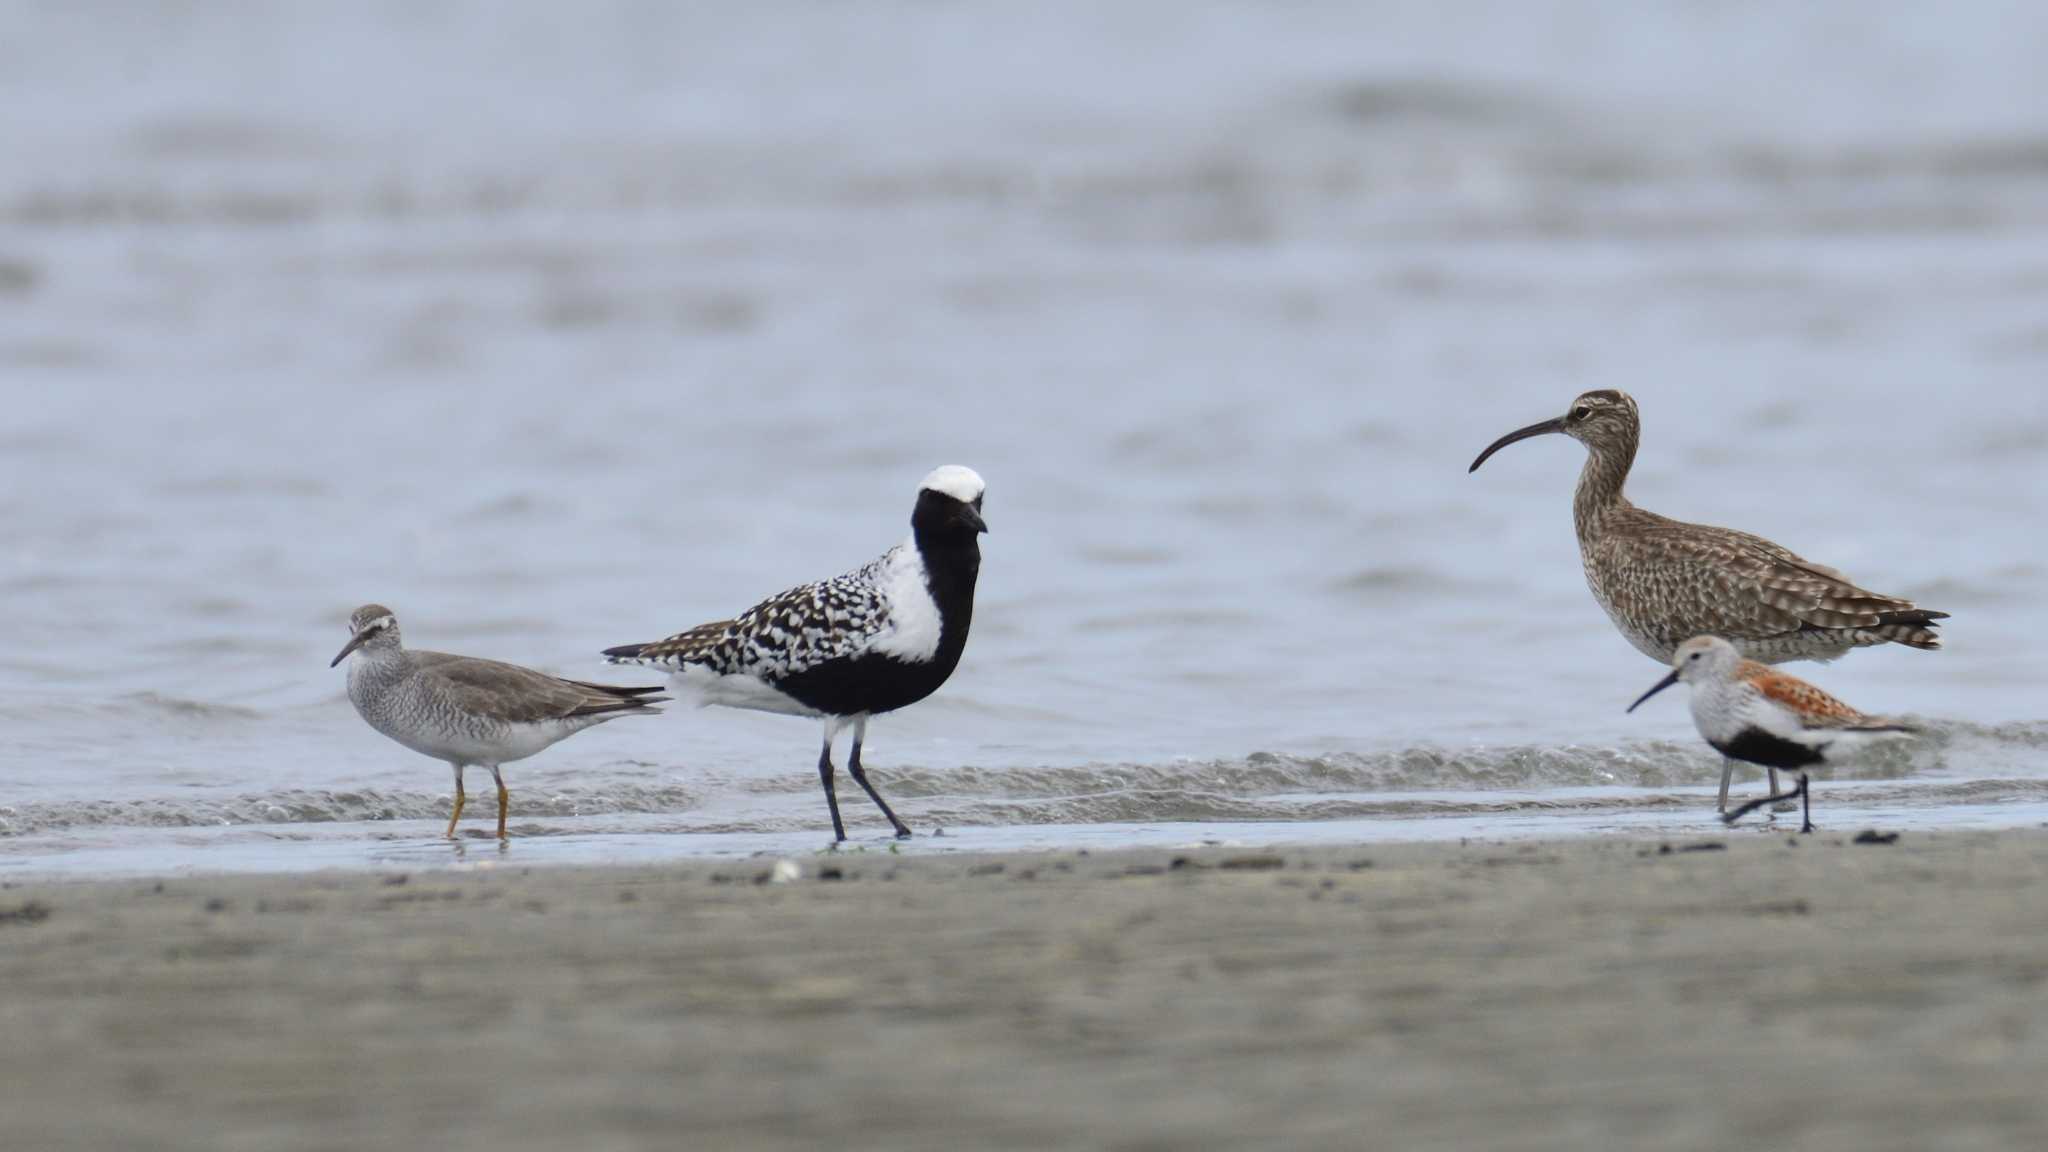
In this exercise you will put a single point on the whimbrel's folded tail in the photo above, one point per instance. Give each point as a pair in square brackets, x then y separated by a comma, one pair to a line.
[1915, 628]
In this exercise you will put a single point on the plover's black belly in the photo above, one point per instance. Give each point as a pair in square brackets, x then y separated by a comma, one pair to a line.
[1756, 746]
[867, 683]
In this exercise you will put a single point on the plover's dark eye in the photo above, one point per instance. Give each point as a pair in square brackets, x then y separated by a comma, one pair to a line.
[1581, 412]
[1694, 656]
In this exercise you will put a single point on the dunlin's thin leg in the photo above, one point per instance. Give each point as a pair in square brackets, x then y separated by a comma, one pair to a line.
[853, 769]
[457, 814]
[1787, 805]
[831, 793]
[504, 800]
[1805, 804]
[1727, 774]
[1799, 793]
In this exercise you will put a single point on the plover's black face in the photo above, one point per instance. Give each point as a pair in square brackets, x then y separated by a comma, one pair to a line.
[371, 626]
[949, 506]
[1596, 419]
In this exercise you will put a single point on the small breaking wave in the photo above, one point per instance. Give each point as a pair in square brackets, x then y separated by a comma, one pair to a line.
[2003, 763]
[321, 806]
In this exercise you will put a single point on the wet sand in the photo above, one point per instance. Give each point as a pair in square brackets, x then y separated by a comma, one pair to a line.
[1588, 994]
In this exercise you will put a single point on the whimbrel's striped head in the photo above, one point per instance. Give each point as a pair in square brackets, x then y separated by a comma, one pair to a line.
[1604, 420]
[949, 505]
[372, 628]
[1697, 661]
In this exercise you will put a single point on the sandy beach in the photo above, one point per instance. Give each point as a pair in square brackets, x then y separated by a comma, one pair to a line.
[1733, 992]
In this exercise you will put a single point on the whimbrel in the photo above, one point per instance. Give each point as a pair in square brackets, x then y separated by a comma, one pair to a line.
[468, 711]
[871, 641]
[1758, 714]
[1663, 581]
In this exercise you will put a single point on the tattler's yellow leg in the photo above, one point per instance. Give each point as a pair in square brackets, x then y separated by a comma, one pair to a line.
[457, 814]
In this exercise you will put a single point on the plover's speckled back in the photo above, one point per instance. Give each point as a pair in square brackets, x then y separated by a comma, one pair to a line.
[1760, 715]
[1662, 581]
[468, 711]
[855, 646]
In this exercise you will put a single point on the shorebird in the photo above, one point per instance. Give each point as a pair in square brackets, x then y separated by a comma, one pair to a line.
[1662, 581]
[1757, 714]
[842, 650]
[468, 711]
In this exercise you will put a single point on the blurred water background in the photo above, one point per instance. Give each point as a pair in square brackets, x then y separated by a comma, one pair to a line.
[561, 326]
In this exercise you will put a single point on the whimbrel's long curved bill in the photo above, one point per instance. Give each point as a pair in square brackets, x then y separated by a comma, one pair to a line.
[1666, 682]
[1543, 428]
[354, 642]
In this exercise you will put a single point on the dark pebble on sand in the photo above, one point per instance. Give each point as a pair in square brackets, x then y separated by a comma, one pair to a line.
[395, 881]
[32, 912]
[831, 872]
[1709, 846]
[1873, 836]
[1251, 863]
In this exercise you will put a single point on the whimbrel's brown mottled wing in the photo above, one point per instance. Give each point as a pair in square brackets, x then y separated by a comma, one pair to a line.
[521, 695]
[1721, 582]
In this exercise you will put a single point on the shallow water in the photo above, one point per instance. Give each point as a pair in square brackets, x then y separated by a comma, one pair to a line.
[559, 335]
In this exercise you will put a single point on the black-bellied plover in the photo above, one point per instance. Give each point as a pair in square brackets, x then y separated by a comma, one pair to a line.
[468, 711]
[1760, 715]
[845, 649]
[1663, 581]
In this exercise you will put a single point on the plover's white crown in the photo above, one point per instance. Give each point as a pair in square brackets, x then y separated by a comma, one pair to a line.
[956, 480]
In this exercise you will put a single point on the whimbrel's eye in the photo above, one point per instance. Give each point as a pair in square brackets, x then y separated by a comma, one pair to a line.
[1581, 412]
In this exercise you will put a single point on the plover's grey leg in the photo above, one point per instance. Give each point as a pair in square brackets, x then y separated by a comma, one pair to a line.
[457, 814]
[831, 791]
[853, 769]
[504, 799]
